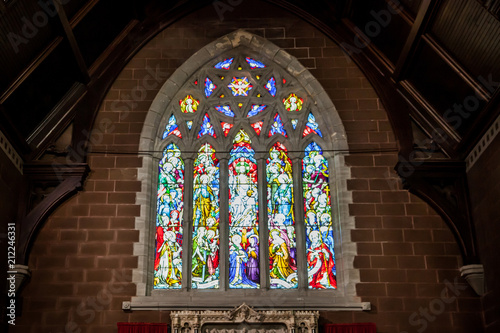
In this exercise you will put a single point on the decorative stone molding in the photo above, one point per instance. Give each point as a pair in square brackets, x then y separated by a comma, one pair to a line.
[474, 275]
[22, 275]
[244, 319]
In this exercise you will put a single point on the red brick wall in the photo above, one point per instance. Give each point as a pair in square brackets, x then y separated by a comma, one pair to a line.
[485, 200]
[82, 259]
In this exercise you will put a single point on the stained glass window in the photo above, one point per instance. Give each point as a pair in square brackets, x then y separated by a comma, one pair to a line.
[293, 103]
[244, 255]
[225, 110]
[256, 109]
[225, 64]
[277, 127]
[240, 86]
[254, 63]
[312, 126]
[205, 257]
[318, 219]
[247, 107]
[189, 104]
[172, 128]
[257, 127]
[206, 128]
[209, 87]
[281, 220]
[271, 86]
[170, 195]
[226, 127]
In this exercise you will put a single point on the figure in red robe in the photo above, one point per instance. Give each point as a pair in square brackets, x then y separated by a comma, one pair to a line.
[321, 264]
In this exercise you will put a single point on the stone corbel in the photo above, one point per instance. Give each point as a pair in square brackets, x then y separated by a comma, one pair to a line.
[474, 275]
[22, 275]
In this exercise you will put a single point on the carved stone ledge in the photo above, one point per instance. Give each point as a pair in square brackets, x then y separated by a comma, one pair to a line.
[244, 319]
[474, 275]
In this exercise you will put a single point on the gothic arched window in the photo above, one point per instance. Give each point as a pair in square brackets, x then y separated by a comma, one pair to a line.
[256, 213]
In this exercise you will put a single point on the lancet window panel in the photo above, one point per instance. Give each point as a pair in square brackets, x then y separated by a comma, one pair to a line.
[251, 134]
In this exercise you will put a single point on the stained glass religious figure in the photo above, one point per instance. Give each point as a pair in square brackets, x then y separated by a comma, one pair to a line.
[277, 127]
[205, 254]
[169, 232]
[243, 215]
[281, 220]
[318, 219]
[312, 126]
[172, 128]
[206, 128]
[256, 109]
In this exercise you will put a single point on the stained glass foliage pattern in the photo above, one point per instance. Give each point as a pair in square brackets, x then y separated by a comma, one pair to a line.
[225, 64]
[277, 127]
[189, 124]
[243, 215]
[311, 126]
[189, 104]
[254, 63]
[209, 87]
[240, 86]
[256, 109]
[294, 123]
[205, 257]
[281, 220]
[206, 128]
[257, 127]
[226, 127]
[172, 128]
[226, 109]
[168, 247]
[271, 86]
[293, 103]
[318, 219]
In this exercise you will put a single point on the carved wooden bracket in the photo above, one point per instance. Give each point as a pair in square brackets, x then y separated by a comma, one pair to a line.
[443, 185]
[62, 180]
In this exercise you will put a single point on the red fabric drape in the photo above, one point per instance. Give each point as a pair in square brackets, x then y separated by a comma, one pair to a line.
[142, 328]
[350, 328]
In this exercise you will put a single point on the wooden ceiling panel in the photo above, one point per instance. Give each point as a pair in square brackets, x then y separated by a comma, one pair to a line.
[472, 36]
[448, 93]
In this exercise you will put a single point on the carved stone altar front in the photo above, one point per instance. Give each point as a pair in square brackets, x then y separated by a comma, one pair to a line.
[244, 319]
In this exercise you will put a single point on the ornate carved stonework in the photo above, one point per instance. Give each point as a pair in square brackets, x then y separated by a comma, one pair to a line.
[244, 319]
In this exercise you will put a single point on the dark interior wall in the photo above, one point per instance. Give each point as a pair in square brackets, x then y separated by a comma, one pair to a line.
[82, 258]
[484, 184]
[10, 181]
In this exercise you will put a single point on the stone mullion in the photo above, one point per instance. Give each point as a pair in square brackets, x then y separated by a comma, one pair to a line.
[300, 223]
[223, 224]
[263, 227]
[187, 219]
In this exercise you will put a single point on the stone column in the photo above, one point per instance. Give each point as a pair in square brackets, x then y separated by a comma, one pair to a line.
[187, 221]
[223, 222]
[263, 227]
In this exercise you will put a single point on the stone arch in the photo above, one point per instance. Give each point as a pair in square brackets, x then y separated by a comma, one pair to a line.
[150, 141]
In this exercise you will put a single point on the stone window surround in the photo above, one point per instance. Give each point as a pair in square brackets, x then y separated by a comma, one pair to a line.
[343, 298]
